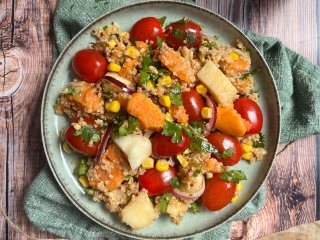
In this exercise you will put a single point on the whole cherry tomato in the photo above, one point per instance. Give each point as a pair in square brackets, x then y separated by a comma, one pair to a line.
[156, 182]
[89, 65]
[183, 33]
[193, 103]
[163, 147]
[78, 143]
[218, 193]
[147, 29]
[250, 111]
[224, 142]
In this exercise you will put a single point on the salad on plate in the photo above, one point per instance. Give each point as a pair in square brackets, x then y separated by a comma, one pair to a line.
[159, 114]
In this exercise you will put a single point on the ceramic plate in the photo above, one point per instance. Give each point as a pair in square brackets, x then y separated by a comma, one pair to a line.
[62, 165]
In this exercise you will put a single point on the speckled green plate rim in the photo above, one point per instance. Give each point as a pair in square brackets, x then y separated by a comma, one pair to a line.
[43, 132]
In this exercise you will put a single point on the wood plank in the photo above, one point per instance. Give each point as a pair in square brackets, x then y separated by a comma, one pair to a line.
[27, 54]
[291, 184]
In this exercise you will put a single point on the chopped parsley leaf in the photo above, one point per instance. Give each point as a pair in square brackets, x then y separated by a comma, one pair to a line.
[261, 143]
[88, 134]
[163, 202]
[82, 168]
[159, 42]
[123, 130]
[208, 44]
[72, 91]
[195, 207]
[174, 130]
[175, 182]
[250, 73]
[226, 153]
[176, 95]
[233, 176]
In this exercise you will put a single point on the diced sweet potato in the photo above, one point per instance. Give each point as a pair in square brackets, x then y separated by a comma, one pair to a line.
[85, 98]
[114, 154]
[179, 113]
[212, 165]
[148, 113]
[142, 45]
[105, 177]
[238, 66]
[231, 122]
[178, 65]
[127, 69]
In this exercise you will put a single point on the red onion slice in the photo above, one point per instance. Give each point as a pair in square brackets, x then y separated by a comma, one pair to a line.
[104, 142]
[119, 84]
[211, 104]
[189, 196]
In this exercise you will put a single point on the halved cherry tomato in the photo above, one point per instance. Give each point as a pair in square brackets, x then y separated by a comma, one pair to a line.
[78, 143]
[218, 193]
[224, 142]
[89, 65]
[250, 111]
[156, 182]
[193, 103]
[183, 33]
[163, 147]
[147, 29]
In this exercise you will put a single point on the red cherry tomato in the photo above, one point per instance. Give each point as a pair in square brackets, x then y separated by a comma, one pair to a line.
[156, 182]
[218, 193]
[193, 103]
[183, 33]
[147, 29]
[223, 142]
[77, 142]
[250, 111]
[163, 147]
[89, 65]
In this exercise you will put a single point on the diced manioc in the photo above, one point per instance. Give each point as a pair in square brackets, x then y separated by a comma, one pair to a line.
[217, 83]
[139, 212]
[148, 113]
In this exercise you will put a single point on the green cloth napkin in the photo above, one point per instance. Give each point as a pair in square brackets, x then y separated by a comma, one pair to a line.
[299, 89]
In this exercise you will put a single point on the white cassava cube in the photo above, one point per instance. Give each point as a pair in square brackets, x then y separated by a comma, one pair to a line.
[219, 86]
[139, 212]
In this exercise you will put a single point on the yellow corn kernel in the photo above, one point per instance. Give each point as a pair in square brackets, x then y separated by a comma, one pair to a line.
[183, 161]
[235, 198]
[150, 84]
[84, 181]
[166, 79]
[168, 117]
[247, 156]
[66, 147]
[162, 165]
[165, 101]
[111, 44]
[148, 163]
[113, 106]
[132, 52]
[123, 34]
[234, 56]
[201, 89]
[206, 112]
[246, 148]
[239, 186]
[113, 67]
[90, 192]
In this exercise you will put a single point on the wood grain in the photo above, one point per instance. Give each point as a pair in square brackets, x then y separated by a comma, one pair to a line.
[26, 48]
[25, 59]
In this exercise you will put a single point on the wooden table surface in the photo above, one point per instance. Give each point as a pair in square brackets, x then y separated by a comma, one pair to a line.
[26, 46]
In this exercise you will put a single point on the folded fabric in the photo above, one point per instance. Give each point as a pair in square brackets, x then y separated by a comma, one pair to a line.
[299, 89]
